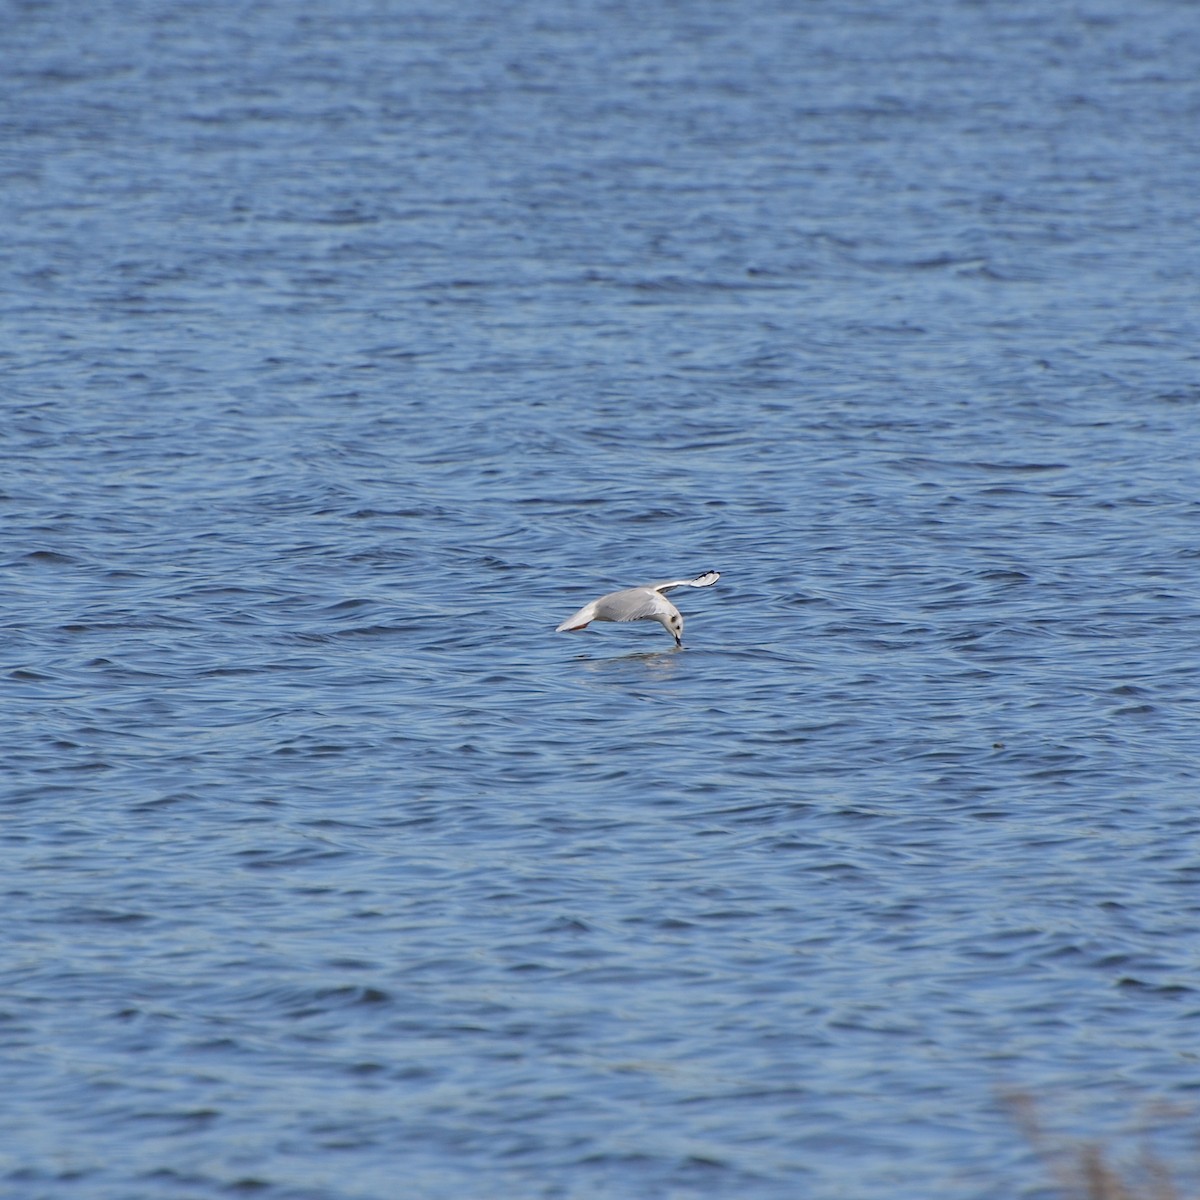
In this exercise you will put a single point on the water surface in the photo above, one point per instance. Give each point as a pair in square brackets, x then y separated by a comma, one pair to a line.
[350, 347]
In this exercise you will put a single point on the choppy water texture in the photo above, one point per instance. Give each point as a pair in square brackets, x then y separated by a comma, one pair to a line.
[348, 347]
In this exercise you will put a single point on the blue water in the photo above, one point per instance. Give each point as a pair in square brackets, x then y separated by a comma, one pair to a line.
[348, 347]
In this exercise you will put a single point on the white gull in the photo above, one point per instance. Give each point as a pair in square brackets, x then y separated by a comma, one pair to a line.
[640, 604]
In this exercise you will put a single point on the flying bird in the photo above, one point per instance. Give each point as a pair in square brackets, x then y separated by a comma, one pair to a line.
[646, 603]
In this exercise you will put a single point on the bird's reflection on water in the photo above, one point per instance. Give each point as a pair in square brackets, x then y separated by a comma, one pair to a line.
[657, 660]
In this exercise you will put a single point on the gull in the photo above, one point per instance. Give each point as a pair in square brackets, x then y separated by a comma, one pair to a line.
[645, 603]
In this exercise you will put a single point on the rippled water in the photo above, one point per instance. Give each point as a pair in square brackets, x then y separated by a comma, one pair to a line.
[348, 348]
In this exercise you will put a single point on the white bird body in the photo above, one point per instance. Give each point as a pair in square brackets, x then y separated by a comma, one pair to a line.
[647, 603]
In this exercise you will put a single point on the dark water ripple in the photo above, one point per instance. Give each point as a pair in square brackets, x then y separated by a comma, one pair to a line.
[350, 347]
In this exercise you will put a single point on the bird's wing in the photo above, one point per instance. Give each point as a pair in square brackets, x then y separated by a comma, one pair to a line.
[583, 617]
[633, 604]
[705, 580]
